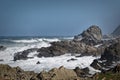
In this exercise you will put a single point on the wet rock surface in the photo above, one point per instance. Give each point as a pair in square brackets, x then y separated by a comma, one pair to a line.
[63, 47]
[24, 54]
[59, 74]
[110, 56]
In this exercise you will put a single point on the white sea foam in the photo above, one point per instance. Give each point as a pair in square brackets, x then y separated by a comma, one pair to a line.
[25, 41]
[52, 62]
[35, 40]
[45, 63]
[9, 52]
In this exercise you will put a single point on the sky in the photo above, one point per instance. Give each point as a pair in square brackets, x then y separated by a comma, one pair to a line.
[57, 17]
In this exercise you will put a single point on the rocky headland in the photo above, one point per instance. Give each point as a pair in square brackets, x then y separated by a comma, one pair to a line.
[83, 44]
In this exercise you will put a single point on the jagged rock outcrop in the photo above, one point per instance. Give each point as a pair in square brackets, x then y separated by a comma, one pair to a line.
[24, 54]
[111, 74]
[112, 53]
[91, 36]
[110, 56]
[82, 72]
[59, 74]
[9, 73]
[63, 47]
[15, 73]
[59, 48]
[116, 32]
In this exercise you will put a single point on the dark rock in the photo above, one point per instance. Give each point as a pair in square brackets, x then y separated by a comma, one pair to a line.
[110, 55]
[23, 54]
[116, 69]
[72, 59]
[82, 72]
[95, 64]
[1, 60]
[38, 62]
[91, 36]
[63, 47]
[2, 48]
[111, 74]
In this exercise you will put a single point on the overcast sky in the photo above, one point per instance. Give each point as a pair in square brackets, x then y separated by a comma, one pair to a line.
[57, 17]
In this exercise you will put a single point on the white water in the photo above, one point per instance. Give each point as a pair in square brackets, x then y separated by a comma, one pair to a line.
[35, 40]
[45, 63]
[52, 62]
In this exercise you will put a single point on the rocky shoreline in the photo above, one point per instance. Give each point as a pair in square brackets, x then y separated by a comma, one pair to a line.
[9, 73]
[88, 43]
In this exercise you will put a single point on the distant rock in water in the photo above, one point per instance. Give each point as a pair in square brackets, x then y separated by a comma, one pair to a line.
[92, 35]
[23, 55]
[2, 48]
[116, 32]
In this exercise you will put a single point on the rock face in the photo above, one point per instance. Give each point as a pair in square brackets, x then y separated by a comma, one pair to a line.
[116, 32]
[60, 48]
[24, 54]
[15, 73]
[59, 74]
[91, 36]
[112, 53]
[110, 56]
[8, 73]
[112, 74]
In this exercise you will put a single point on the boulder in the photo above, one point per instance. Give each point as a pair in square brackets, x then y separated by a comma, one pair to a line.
[112, 53]
[91, 36]
[116, 69]
[59, 74]
[111, 74]
[9, 73]
[23, 55]
[38, 62]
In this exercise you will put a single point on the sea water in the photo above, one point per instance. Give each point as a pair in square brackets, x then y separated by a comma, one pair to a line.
[17, 44]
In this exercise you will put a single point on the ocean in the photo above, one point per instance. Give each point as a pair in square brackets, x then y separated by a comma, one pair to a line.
[17, 44]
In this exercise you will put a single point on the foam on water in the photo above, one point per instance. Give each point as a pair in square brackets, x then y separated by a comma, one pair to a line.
[45, 63]
[35, 40]
[52, 62]
[10, 51]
